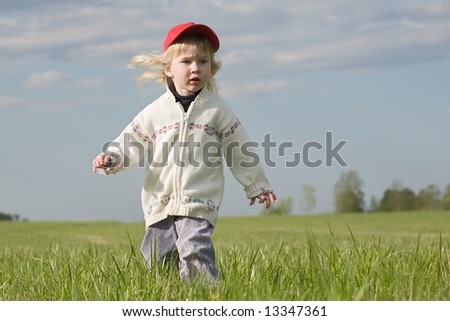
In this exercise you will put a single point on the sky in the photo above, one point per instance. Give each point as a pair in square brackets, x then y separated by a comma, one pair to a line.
[375, 74]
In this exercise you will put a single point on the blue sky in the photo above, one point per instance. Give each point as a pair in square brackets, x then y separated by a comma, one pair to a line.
[374, 73]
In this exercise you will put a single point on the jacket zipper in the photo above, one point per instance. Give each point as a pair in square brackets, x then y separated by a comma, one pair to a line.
[183, 130]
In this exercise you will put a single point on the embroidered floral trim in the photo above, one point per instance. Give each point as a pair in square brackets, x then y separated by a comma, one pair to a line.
[157, 133]
[233, 127]
[176, 126]
[184, 199]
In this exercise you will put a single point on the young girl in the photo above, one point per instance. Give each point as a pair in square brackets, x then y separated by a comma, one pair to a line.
[184, 132]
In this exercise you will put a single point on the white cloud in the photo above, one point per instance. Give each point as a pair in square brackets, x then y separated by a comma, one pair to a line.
[10, 102]
[89, 82]
[14, 103]
[284, 35]
[46, 79]
[57, 29]
[110, 50]
[253, 88]
[346, 35]
[52, 78]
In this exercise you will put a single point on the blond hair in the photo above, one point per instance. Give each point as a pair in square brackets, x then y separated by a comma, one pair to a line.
[155, 63]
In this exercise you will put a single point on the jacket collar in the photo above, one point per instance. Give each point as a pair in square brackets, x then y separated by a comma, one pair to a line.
[204, 94]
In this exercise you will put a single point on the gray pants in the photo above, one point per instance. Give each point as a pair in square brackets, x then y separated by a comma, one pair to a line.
[188, 237]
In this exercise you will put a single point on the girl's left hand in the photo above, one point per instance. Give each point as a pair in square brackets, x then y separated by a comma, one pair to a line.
[267, 197]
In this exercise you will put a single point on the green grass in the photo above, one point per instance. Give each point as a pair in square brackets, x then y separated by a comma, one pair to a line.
[395, 256]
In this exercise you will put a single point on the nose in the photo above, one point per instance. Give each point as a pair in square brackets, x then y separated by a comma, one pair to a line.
[194, 67]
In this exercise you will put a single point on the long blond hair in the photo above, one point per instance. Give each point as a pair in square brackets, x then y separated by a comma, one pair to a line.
[155, 63]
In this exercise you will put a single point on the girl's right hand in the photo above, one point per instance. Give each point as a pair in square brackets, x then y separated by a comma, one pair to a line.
[267, 197]
[101, 162]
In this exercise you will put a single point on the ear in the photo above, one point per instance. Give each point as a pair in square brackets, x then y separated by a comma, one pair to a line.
[168, 72]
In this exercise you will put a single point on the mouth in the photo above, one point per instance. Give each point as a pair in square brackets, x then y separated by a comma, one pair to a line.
[194, 79]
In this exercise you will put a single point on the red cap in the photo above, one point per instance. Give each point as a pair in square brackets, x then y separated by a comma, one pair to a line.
[191, 27]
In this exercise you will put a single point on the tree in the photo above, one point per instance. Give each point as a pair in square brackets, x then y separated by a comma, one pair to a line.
[9, 217]
[445, 200]
[398, 198]
[429, 198]
[308, 199]
[349, 197]
[281, 207]
[374, 205]
[5, 217]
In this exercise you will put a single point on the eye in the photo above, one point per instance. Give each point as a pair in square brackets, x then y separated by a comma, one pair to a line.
[203, 61]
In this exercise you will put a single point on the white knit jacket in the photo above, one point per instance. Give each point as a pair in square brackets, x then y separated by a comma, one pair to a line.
[184, 175]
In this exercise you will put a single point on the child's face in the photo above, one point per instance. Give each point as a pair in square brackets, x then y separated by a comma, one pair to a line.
[190, 71]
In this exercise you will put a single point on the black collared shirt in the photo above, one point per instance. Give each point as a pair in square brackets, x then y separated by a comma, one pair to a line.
[185, 101]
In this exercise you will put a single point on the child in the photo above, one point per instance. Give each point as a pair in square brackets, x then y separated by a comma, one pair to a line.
[184, 132]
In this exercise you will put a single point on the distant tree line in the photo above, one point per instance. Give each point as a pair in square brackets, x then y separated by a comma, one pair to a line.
[281, 207]
[284, 206]
[10, 217]
[349, 198]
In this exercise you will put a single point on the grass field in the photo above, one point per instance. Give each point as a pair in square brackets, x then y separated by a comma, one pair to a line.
[392, 256]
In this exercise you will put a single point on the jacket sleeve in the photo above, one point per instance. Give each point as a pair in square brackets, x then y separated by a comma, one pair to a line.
[130, 147]
[242, 159]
